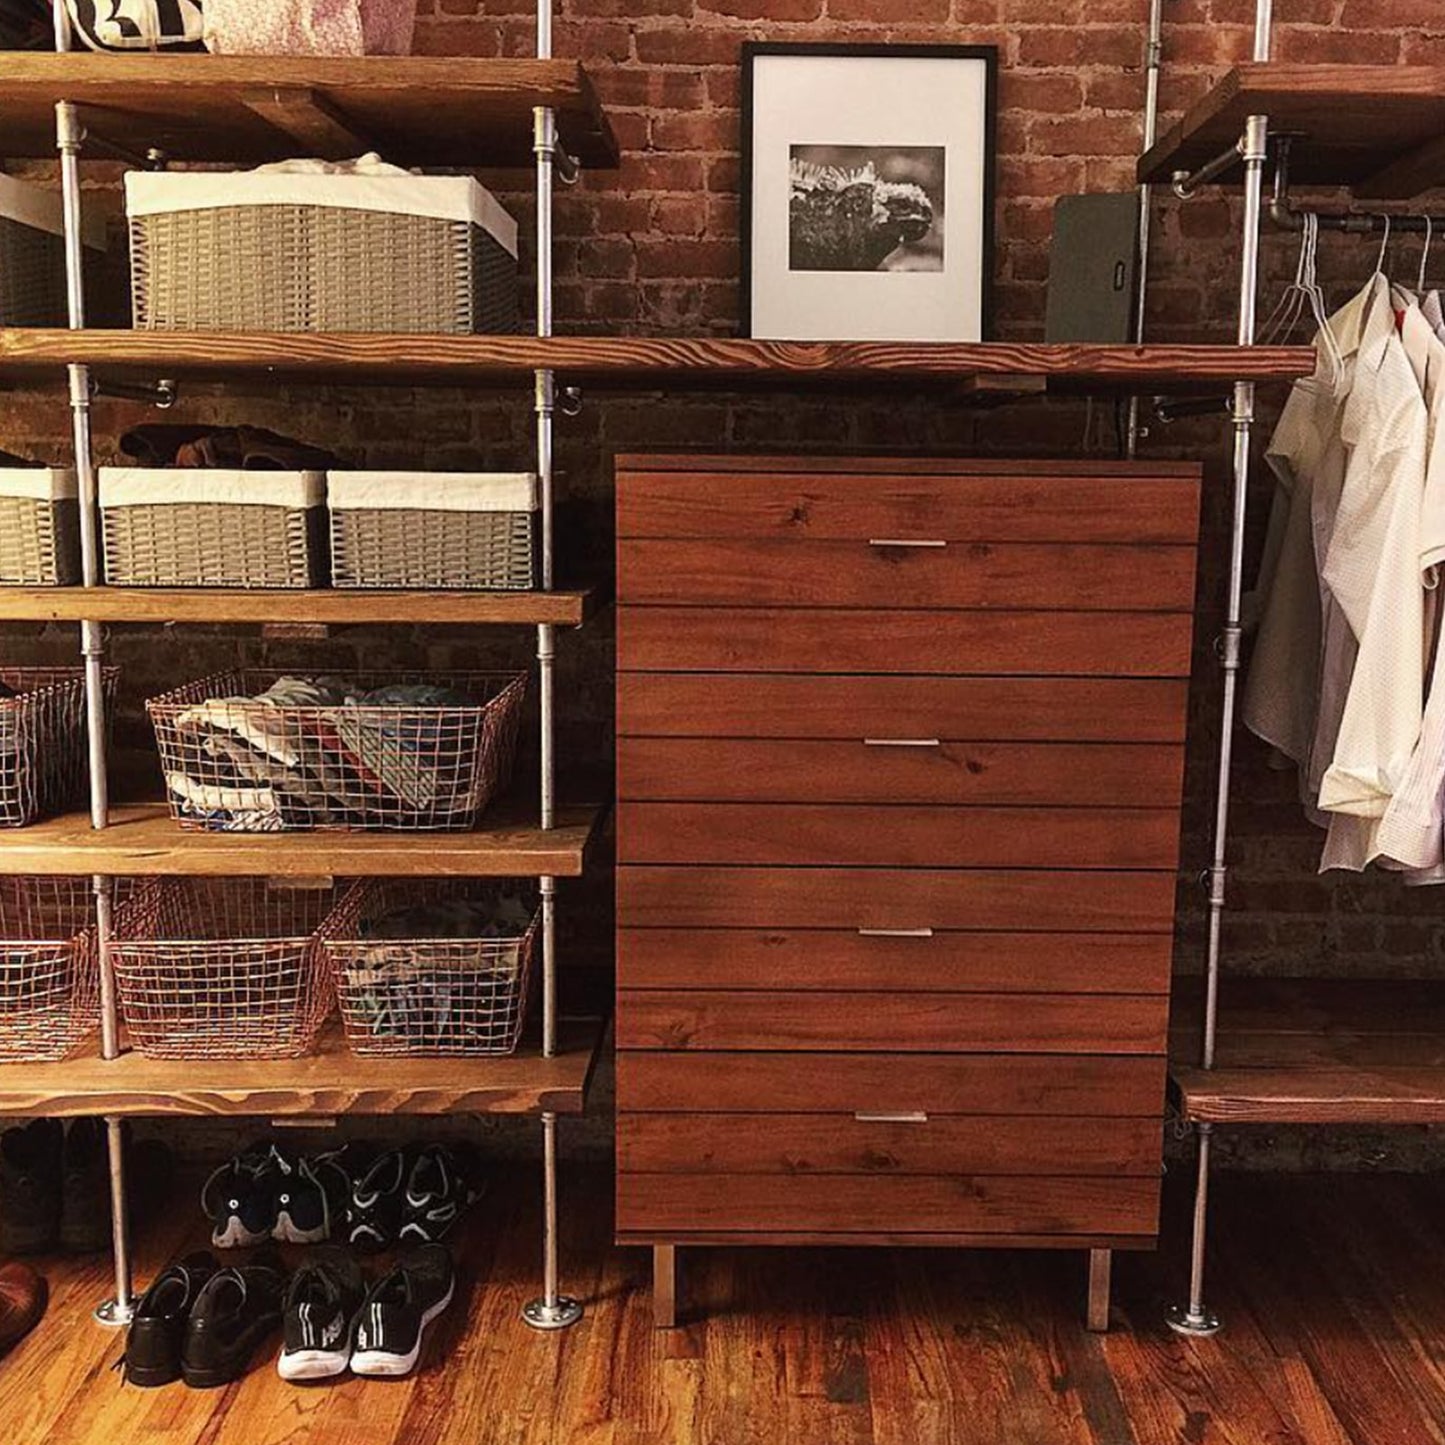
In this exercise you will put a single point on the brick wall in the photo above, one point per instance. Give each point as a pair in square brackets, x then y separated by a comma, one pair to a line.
[653, 247]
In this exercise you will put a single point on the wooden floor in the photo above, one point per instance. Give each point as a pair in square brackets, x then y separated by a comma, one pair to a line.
[1333, 1290]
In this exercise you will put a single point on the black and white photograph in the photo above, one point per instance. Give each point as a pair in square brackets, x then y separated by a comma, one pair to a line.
[868, 192]
[866, 208]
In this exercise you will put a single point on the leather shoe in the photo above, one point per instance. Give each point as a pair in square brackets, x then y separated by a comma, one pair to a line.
[23, 1298]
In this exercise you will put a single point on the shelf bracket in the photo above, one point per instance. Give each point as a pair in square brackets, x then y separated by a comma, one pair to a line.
[309, 119]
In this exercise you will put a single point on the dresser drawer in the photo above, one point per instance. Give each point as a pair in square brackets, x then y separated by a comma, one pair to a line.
[844, 640]
[887, 1204]
[762, 958]
[1074, 901]
[902, 572]
[1002, 709]
[920, 1143]
[963, 500]
[1073, 1085]
[896, 768]
[896, 1022]
[897, 836]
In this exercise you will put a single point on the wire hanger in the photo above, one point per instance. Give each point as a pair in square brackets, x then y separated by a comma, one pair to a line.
[1384, 248]
[1425, 253]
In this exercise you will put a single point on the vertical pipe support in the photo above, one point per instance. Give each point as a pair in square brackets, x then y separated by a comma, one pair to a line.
[1153, 60]
[554, 1310]
[1195, 1319]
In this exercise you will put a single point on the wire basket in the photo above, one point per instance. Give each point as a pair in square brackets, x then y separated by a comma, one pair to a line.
[234, 762]
[404, 988]
[49, 968]
[222, 968]
[43, 750]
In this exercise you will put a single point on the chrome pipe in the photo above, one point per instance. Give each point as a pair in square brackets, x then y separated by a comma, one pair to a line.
[118, 1311]
[554, 1310]
[60, 18]
[104, 933]
[1195, 1318]
[1187, 183]
[549, 967]
[1153, 62]
[1263, 28]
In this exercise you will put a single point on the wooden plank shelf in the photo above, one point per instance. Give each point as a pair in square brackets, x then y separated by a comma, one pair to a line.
[325, 606]
[1315, 1052]
[39, 356]
[331, 1082]
[417, 111]
[1377, 128]
[144, 841]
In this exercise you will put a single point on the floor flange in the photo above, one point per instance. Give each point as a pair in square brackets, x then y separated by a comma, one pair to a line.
[1199, 1324]
[113, 1315]
[558, 1316]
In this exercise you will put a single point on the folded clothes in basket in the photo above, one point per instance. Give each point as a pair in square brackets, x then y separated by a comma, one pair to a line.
[229, 448]
[318, 752]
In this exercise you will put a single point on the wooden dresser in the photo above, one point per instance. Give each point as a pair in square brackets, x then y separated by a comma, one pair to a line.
[900, 756]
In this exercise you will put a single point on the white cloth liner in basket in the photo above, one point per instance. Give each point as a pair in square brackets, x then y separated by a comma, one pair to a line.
[39, 484]
[160, 486]
[432, 491]
[42, 210]
[447, 198]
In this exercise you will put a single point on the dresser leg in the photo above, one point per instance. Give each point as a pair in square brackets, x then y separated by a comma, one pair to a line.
[1100, 1266]
[664, 1286]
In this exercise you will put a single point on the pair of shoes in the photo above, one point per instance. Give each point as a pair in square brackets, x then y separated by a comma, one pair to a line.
[54, 1188]
[202, 1323]
[411, 1197]
[265, 1193]
[334, 1322]
[23, 1297]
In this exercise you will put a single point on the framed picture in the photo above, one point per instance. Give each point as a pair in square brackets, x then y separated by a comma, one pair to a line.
[867, 192]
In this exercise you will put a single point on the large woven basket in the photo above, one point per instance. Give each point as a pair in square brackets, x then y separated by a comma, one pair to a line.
[423, 993]
[234, 762]
[214, 263]
[49, 967]
[39, 527]
[211, 968]
[32, 254]
[181, 527]
[433, 529]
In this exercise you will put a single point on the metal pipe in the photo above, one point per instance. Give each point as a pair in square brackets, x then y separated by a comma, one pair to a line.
[60, 18]
[119, 1310]
[1263, 28]
[1195, 1318]
[549, 967]
[1153, 61]
[554, 1310]
[1186, 183]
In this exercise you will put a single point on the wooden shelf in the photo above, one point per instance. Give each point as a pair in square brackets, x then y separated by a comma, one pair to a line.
[143, 841]
[418, 111]
[330, 1082]
[1378, 128]
[1315, 1052]
[41, 356]
[331, 607]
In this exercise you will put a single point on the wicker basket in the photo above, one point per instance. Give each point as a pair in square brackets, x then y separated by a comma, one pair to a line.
[43, 749]
[269, 252]
[433, 529]
[191, 527]
[39, 527]
[49, 967]
[32, 255]
[222, 968]
[236, 763]
[428, 996]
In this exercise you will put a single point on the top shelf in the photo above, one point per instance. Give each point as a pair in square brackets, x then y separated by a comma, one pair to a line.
[417, 111]
[1379, 129]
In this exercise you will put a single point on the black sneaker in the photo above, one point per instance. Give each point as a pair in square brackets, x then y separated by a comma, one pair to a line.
[397, 1310]
[376, 1203]
[240, 1198]
[85, 1188]
[30, 1187]
[312, 1196]
[234, 1312]
[158, 1330]
[439, 1187]
[321, 1304]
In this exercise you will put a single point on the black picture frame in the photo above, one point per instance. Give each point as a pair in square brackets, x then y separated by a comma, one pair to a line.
[988, 54]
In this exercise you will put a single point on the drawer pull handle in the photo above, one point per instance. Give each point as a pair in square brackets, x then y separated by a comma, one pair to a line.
[895, 933]
[906, 542]
[912, 1117]
[902, 742]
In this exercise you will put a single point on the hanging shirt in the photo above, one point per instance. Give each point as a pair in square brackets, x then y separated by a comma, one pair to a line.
[1371, 568]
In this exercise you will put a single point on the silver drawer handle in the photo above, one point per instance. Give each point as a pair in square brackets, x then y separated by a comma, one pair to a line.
[902, 742]
[918, 1117]
[906, 542]
[895, 933]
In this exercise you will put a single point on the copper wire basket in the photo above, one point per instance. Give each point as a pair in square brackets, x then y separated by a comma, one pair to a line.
[43, 749]
[49, 968]
[428, 996]
[236, 763]
[222, 968]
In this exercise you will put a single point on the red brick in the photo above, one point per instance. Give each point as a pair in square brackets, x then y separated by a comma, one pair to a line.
[689, 46]
[710, 130]
[921, 11]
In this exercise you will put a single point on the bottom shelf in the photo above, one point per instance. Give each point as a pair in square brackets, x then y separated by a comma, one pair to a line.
[332, 1081]
[1314, 1051]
